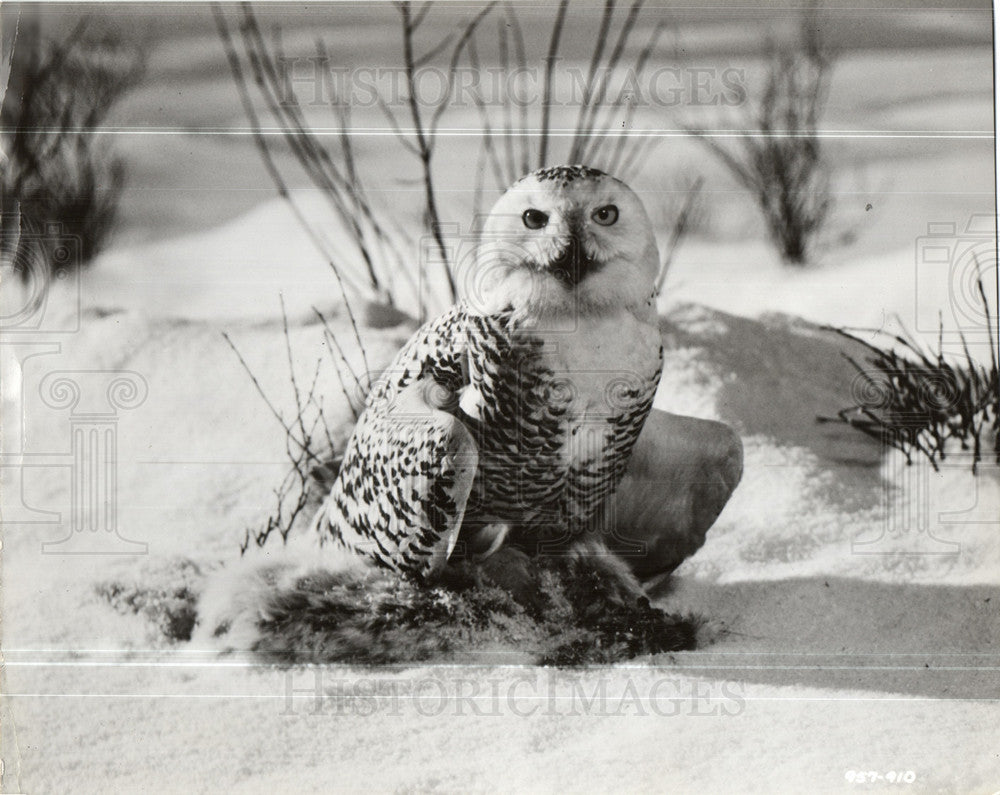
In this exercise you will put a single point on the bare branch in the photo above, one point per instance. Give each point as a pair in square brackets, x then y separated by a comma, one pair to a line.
[488, 146]
[421, 14]
[522, 66]
[390, 117]
[677, 233]
[259, 140]
[575, 152]
[622, 142]
[463, 40]
[616, 54]
[435, 51]
[550, 65]
[335, 345]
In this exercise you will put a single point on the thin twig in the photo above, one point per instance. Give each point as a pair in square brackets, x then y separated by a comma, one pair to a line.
[508, 119]
[550, 65]
[616, 53]
[424, 146]
[576, 150]
[261, 142]
[677, 233]
[487, 130]
[517, 35]
[616, 164]
[335, 345]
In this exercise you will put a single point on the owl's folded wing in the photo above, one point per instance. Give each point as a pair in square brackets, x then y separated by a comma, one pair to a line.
[408, 468]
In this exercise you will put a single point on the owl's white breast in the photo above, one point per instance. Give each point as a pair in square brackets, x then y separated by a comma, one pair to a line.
[599, 357]
[600, 362]
[597, 364]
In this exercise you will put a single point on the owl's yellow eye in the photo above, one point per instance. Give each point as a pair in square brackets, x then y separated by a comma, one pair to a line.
[534, 219]
[605, 215]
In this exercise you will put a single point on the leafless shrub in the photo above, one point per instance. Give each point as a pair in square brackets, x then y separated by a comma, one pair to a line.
[309, 438]
[778, 156]
[379, 243]
[918, 402]
[604, 118]
[61, 185]
[509, 150]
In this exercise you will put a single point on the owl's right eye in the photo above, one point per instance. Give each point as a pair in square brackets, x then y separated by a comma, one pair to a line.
[534, 219]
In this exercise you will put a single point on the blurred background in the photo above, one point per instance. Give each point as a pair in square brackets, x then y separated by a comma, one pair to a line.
[910, 102]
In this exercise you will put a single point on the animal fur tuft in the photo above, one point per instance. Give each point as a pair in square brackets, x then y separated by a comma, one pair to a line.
[577, 608]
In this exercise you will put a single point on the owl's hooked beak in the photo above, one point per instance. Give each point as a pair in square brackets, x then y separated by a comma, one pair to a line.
[572, 264]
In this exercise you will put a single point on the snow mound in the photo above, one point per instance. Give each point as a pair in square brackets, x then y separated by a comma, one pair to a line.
[829, 577]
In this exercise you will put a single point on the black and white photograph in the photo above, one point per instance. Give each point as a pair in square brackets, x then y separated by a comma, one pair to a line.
[499, 396]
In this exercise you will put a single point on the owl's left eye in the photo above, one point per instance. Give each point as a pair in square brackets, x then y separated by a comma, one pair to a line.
[605, 215]
[534, 219]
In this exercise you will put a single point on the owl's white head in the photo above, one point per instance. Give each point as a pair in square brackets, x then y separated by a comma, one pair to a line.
[567, 239]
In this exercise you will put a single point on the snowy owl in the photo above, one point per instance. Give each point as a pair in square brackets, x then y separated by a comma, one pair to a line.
[509, 420]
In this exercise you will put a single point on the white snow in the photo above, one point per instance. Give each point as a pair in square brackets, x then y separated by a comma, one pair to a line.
[853, 600]
[820, 639]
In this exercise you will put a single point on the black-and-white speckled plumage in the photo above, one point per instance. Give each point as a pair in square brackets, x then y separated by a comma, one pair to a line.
[550, 455]
[511, 418]
[544, 456]
[564, 176]
[401, 490]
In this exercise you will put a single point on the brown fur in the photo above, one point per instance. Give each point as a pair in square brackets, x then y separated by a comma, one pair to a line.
[576, 608]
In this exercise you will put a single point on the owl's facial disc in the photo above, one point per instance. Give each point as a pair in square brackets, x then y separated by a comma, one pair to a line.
[563, 241]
